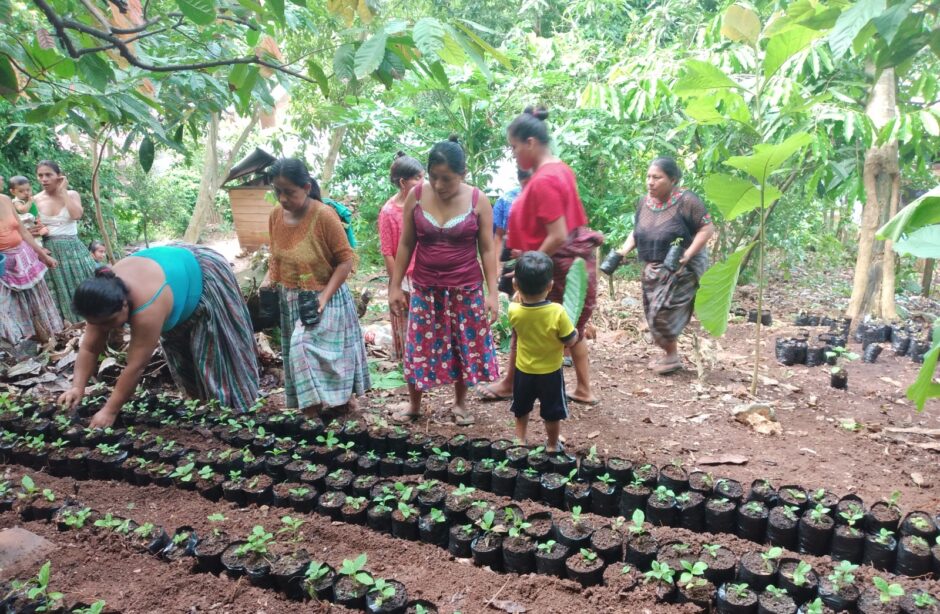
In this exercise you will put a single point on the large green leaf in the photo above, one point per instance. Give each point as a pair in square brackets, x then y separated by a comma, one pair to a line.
[716, 289]
[785, 45]
[890, 21]
[924, 387]
[700, 77]
[452, 52]
[277, 7]
[702, 110]
[429, 35]
[768, 158]
[922, 212]
[576, 285]
[486, 47]
[344, 62]
[735, 196]
[95, 71]
[741, 24]
[145, 154]
[850, 24]
[200, 12]
[370, 54]
[8, 85]
[922, 243]
[316, 73]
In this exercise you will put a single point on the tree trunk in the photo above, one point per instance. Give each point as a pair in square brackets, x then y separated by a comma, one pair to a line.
[927, 280]
[329, 163]
[213, 175]
[888, 307]
[96, 160]
[880, 174]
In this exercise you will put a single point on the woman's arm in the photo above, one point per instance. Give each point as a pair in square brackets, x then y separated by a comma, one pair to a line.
[42, 252]
[92, 344]
[698, 242]
[556, 233]
[337, 279]
[144, 339]
[628, 245]
[486, 246]
[73, 202]
[406, 247]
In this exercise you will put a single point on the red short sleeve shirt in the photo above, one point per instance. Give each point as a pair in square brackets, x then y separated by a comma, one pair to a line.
[551, 193]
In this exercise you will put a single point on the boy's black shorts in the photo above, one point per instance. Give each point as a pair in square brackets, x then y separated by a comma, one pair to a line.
[548, 388]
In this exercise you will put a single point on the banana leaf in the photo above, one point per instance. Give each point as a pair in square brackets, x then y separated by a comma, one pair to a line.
[576, 286]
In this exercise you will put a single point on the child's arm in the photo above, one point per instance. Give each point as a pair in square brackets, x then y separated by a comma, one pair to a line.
[21, 207]
[567, 333]
[571, 340]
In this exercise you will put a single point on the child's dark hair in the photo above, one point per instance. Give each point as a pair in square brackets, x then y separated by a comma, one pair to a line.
[534, 271]
[403, 168]
[530, 124]
[296, 172]
[17, 180]
[668, 166]
[53, 165]
[449, 152]
[95, 245]
[101, 296]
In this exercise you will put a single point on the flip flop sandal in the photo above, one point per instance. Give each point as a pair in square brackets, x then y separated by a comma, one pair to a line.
[667, 368]
[464, 418]
[404, 417]
[486, 395]
[582, 401]
[651, 365]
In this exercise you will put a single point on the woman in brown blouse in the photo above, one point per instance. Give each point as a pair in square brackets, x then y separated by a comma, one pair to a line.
[324, 362]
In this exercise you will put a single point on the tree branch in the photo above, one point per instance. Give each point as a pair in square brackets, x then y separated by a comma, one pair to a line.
[61, 27]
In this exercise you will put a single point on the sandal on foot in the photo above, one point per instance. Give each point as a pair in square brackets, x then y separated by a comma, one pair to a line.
[462, 418]
[404, 417]
[583, 401]
[667, 367]
[485, 393]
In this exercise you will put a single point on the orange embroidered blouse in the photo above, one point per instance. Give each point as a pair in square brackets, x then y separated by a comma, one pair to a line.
[306, 254]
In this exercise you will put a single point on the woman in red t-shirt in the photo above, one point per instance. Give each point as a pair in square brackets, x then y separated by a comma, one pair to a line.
[549, 217]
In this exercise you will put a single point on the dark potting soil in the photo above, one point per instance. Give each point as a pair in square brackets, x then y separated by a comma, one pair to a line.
[739, 602]
[869, 602]
[720, 565]
[776, 604]
[702, 482]
[755, 571]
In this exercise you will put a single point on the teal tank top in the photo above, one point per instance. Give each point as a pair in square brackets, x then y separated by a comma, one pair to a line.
[184, 277]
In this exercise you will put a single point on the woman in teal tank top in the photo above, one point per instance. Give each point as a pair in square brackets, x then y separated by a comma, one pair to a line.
[184, 298]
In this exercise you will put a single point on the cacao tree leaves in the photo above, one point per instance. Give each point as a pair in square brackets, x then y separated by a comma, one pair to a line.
[277, 7]
[767, 159]
[145, 154]
[200, 12]
[576, 286]
[785, 45]
[699, 77]
[735, 196]
[889, 22]
[315, 72]
[922, 243]
[716, 289]
[344, 62]
[429, 35]
[922, 212]
[370, 54]
[95, 71]
[924, 388]
[741, 24]
[851, 22]
[9, 88]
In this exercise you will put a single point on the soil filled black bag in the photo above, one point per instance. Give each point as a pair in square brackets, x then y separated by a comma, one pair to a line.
[269, 308]
[309, 304]
[871, 353]
[815, 356]
[900, 343]
[791, 351]
[673, 256]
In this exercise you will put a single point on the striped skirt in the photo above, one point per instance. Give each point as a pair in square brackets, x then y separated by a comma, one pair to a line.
[26, 305]
[75, 266]
[668, 300]
[212, 355]
[326, 364]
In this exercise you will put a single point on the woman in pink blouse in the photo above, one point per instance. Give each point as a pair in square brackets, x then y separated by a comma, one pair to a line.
[405, 174]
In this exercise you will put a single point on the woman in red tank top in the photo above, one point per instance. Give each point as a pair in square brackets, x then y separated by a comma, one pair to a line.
[448, 340]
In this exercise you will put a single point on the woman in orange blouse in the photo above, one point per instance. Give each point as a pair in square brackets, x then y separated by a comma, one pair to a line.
[325, 359]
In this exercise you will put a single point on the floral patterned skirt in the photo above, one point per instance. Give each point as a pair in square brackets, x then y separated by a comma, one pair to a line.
[449, 338]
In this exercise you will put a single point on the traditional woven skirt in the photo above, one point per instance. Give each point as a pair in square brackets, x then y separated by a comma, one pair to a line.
[449, 338]
[668, 300]
[26, 305]
[75, 266]
[324, 365]
[212, 354]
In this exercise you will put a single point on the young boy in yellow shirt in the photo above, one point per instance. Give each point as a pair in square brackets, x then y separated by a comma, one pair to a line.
[542, 330]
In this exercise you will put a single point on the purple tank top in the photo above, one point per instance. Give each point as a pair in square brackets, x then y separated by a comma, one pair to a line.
[446, 256]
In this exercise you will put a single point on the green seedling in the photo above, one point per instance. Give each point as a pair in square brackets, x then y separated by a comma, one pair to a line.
[547, 547]
[444, 454]
[739, 590]
[406, 510]
[299, 492]
[815, 606]
[356, 502]
[437, 516]
[711, 549]
[776, 593]
[663, 494]
[76, 520]
[693, 574]
[329, 440]
[487, 522]
[291, 526]
[382, 590]
[819, 512]
[257, 542]
[660, 572]
[184, 473]
[887, 592]
[354, 569]
[38, 591]
[923, 601]
[770, 557]
[588, 555]
[800, 573]
[843, 575]
[636, 524]
[884, 536]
